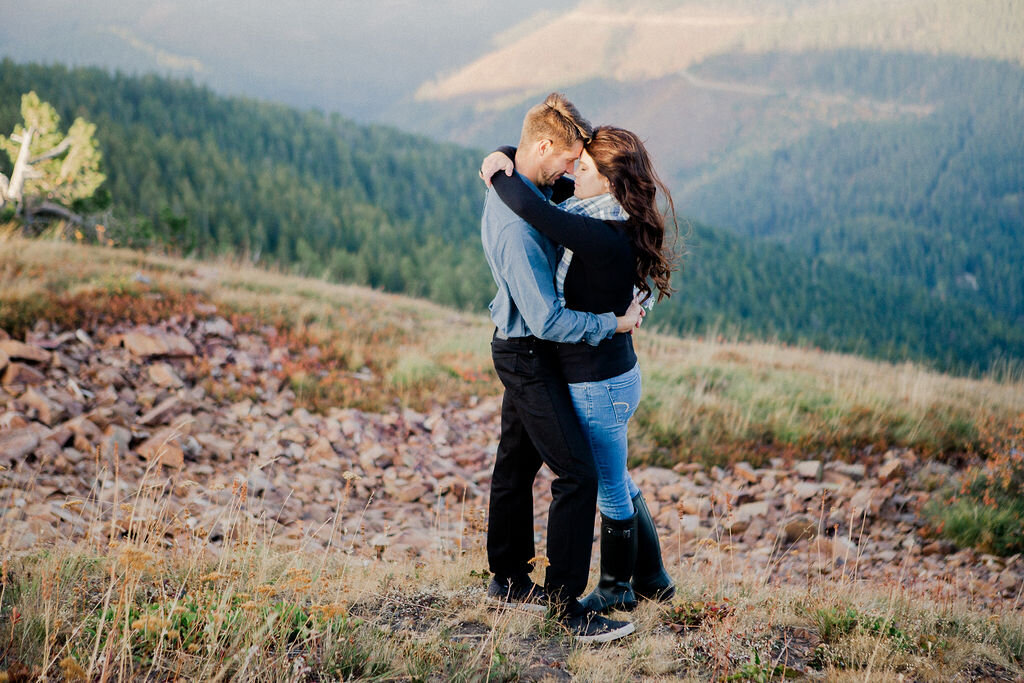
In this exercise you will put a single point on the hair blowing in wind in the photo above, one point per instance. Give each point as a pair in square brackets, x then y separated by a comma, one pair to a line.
[621, 157]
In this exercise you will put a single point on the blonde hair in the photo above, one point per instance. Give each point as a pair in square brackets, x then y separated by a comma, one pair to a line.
[558, 120]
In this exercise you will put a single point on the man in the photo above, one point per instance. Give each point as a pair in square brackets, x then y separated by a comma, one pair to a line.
[538, 424]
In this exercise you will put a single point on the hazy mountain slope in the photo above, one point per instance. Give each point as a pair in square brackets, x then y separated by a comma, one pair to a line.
[651, 40]
[936, 200]
[349, 57]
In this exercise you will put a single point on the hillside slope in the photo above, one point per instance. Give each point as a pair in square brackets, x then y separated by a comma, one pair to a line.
[225, 470]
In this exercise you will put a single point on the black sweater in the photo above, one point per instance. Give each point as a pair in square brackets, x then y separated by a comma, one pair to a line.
[600, 276]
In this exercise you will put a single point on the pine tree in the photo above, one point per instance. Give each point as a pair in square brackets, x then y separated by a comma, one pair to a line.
[51, 171]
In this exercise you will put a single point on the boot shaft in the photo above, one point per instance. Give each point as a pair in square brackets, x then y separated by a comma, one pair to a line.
[650, 580]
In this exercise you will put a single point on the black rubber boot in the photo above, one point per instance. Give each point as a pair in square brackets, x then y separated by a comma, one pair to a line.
[618, 557]
[650, 580]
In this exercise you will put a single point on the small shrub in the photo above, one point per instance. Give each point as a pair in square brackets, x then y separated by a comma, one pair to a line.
[987, 512]
[834, 623]
[756, 670]
[694, 614]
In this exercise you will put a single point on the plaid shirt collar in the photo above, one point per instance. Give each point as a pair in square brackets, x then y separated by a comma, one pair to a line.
[603, 206]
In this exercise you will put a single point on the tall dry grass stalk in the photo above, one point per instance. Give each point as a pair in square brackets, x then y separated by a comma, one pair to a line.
[151, 594]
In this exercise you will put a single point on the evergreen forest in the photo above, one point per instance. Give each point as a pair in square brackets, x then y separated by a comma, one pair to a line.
[932, 196]
[200, 174]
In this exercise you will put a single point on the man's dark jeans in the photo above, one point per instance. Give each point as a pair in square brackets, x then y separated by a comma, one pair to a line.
[538, 425]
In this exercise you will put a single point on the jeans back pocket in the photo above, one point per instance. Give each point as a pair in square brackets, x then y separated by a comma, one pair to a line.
[624, 394]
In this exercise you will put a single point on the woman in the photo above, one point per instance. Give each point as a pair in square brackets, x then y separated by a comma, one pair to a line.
[614, 239]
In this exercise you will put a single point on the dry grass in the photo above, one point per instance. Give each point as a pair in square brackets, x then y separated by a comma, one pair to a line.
[148, 596]
[709, 400]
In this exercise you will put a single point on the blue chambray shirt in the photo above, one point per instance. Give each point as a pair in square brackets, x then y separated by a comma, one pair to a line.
[523, 263]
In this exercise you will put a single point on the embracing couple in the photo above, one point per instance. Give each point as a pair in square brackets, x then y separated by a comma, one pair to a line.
[570, 280]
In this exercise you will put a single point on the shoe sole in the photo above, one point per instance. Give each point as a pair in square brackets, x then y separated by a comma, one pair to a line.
[502, 603]
[608, 636]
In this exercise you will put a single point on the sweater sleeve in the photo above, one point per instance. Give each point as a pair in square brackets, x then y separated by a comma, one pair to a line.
[589, 237]
[562, 189]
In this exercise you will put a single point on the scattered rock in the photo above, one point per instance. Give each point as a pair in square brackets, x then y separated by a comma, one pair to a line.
[746, 472]
[855, 471]
[890, 470]
[48, 412]
[116, 440]
[165, 447]
[223, 413]
[408, 493]
[163, 413]
[735, 526]
[162, 375]
[867, 501]
[144, 344]
[748, 511]
[19, 373]
[20, 351]
[218, 327]
[805, 490]
[1009, 580]
[18, 443]
[937, 548]
[810, 469]
[695, 505]
[799, 528]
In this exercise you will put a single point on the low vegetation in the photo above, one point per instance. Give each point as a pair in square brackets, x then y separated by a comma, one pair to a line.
[710, 400]
[987, 510]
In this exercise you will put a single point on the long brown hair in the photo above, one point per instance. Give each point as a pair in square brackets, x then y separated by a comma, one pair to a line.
[621, 157]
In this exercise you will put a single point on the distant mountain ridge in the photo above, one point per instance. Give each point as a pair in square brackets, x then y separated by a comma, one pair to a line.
[649, 40]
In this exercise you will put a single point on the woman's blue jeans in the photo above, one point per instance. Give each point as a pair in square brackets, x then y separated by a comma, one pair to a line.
[604, 409]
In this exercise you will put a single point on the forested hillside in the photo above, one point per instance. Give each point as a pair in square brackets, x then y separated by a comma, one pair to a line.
[207, 174]
[937, 201]
[201, 174]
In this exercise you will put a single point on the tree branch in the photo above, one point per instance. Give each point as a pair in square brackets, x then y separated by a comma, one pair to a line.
[58, 210]
[20, 166]
[55, 152]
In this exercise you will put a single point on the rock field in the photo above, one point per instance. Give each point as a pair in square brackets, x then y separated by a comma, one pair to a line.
[190, 429]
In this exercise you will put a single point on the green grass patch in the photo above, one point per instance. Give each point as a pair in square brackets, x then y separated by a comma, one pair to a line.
[987, 512]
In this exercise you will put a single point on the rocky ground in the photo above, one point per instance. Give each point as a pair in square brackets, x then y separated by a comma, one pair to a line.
[191, 425]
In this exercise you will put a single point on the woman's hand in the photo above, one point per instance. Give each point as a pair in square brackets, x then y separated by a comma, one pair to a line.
[494, 162]
[632, 319]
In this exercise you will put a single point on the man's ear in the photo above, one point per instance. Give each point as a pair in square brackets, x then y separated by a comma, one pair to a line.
[543, 146]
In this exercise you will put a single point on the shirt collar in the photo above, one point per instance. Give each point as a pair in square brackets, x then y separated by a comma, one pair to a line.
[545, 193]
[604, 206]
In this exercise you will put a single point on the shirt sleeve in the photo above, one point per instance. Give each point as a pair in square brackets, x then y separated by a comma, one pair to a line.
[589, 237]
[525, 267]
